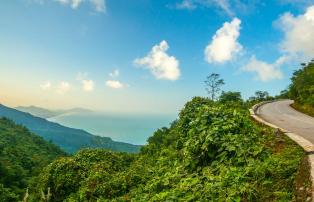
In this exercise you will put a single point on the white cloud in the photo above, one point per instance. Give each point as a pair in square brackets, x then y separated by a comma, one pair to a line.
[114, 84]
[225, 6]
[99, 5]
[88, 85]
[186, 4]
[229, 7]
[114, 73]
[298, 32]
[46, 85]
[224, 45]
[63, 87]
[265, 72]
[160, 63]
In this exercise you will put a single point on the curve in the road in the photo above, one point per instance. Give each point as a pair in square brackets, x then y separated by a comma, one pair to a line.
[281, 114]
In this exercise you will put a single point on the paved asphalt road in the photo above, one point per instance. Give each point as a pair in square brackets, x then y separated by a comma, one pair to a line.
[281, 114]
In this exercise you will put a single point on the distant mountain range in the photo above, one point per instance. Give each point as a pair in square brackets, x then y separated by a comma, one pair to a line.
[46, 113]
[69, 139]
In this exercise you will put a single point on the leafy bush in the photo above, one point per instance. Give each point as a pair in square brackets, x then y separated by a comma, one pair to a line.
[302, 86]
[213, 152]
[301, 90]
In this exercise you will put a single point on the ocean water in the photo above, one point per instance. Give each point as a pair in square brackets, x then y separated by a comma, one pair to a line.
[128, 128]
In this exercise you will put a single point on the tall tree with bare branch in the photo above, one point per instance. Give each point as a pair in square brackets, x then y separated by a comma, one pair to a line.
[213, 83]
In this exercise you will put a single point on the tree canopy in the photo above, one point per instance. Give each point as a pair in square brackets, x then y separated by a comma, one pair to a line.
[23, 155]
[302, 87]
[230, 97]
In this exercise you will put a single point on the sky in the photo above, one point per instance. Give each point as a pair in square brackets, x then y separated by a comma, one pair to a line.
[147, 56]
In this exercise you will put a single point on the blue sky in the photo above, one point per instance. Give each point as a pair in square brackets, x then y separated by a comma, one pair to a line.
[147, 56]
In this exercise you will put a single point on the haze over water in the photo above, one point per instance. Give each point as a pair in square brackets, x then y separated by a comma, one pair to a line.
[128, 128]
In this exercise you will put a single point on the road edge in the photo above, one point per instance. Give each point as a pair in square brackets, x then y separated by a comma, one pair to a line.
[307, 146]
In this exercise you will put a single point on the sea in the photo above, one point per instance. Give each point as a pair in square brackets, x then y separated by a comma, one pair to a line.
[129, 128]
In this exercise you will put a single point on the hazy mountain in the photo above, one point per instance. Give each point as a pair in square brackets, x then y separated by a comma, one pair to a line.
[69, 139]
[46, 113]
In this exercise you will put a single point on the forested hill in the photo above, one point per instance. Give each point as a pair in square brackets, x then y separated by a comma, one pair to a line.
[22, 157]
[301, 89]
[69, 139]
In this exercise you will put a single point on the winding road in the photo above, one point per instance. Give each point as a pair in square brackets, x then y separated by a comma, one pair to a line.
[281, 114]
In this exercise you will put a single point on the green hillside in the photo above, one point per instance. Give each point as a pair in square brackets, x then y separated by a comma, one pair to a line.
[301, 89]
[213, 152]
[22, 157]
[69, 139]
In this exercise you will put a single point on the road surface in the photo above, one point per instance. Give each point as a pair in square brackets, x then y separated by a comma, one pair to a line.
[281, 114]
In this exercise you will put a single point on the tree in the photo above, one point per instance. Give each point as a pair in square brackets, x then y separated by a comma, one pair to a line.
[230, 97]
[261, 95]
[301, 89]
[213, 84]
[283, 94]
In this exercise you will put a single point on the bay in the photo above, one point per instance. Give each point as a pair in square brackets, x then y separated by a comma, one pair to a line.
[130, 128]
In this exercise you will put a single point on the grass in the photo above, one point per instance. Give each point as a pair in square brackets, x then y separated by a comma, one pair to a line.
[290, 158]
[306, 109]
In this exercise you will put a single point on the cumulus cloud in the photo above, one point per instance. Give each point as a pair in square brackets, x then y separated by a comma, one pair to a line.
[63, 87]
[114, 73]
[224, 45]
[161, 65]
[265, 71]
[99, 5]
[46, 85]
[298, 32]
[87, 84]
[114, 84]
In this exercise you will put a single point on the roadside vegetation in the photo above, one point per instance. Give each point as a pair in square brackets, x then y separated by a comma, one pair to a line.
[301, 89]
[214, 151]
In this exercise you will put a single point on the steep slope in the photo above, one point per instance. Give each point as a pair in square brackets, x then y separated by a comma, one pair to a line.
[213, 152]
[301, 90]
[69, 139]
[22, 157]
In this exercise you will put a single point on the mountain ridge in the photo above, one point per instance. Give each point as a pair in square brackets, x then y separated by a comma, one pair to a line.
[48, 113]
[69, 139]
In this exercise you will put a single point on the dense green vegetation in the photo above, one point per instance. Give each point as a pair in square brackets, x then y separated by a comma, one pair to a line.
[69, 139]
[213, 152]
[22, 157]
[229, 96]
[301, 89]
